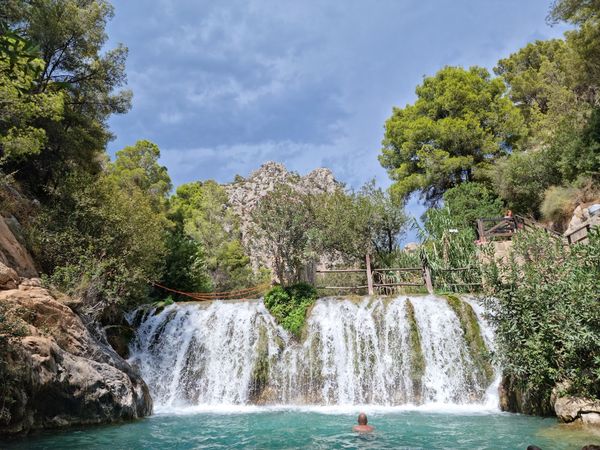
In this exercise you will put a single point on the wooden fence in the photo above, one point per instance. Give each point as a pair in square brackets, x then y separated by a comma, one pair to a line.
[503, 228]
[387, 280]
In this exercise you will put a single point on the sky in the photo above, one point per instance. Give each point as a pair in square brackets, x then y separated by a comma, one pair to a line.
[223, 86]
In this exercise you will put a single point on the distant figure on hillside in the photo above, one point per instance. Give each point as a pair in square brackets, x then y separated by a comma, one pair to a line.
[362, 426]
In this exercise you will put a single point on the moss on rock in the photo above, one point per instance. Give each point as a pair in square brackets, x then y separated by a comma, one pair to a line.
[260, 372]
[417, 359]
[469, 324]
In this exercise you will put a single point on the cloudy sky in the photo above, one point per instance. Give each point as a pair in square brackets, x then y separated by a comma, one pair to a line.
[223, 86]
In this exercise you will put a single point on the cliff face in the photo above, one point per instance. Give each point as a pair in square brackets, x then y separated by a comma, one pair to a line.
[56, 373]
[53, 371]
[244, 195]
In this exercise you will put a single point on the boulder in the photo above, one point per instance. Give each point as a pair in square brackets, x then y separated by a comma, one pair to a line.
[8, 277]
[12, 253]
[56, 372]
[577, 410]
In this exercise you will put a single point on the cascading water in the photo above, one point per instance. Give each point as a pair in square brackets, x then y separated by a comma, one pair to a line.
[375, 351]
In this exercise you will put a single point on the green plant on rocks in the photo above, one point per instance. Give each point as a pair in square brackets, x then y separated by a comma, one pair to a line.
[260, 372]
[417, 359]
[469, 324]
[289, 305]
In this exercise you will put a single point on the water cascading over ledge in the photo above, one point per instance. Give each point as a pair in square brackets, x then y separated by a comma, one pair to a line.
[406, 350]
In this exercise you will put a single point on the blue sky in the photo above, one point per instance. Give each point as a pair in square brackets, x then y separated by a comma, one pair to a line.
[223, 86]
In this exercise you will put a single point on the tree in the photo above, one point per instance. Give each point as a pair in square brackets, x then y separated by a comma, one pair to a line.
[21, 107]
[70, 35]
[471, 201]
[283, 220]
[540, 83]
[185, 268]
[460, 123]
[585, 40]
[535, 302]
[137, 166]
[207, 220]
[355, 223]
[100, 243]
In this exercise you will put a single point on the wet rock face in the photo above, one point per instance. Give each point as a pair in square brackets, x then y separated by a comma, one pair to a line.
[57, 372]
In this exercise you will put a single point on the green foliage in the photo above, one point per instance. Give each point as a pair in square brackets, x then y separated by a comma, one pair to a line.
[522, 178]
[300, 227]
[136, 167]
[202, 209]
[21, 106]
[544, 306]
[460, 123]
[99, 242]
[284, 218]
[471, 201]
[71, 37]
[11, 326]
[185, 267]
[289, 305]
[558, 204]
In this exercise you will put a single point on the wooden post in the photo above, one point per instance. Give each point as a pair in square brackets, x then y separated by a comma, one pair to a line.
[480, 230]
[369, 275]
[427, 278]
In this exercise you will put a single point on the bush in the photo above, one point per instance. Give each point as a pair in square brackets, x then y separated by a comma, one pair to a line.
[558, 205]
[546, 310]
[289, 305]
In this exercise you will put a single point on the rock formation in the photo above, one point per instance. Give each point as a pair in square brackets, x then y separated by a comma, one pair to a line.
[577, 410]
[55, 372]
[245, 193]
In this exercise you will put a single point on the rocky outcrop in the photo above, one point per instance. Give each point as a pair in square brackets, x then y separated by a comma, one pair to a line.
[55, 372]
[12, 253]
[570, 409]
[513, 398]
[245, 193]
[586, 214]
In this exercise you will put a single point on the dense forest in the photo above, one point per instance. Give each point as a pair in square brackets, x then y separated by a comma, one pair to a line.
[473, 144]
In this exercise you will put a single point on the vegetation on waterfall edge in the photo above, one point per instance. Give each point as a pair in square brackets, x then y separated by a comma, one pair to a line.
[417, 359]
[289, 305]
[545, 308]
[478, 350]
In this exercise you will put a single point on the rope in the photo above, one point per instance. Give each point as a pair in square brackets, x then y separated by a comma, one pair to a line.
[241, 294]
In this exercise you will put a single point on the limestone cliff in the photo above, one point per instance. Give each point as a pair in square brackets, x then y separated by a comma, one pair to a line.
[55, 372]
[245, 193]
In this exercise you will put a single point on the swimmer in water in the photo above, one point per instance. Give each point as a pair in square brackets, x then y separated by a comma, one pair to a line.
[362, 426]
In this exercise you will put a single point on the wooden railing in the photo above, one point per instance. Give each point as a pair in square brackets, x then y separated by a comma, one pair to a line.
[505, 227]
[387, 280]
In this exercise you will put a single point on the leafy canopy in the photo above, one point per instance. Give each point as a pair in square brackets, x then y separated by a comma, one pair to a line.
[461, 122]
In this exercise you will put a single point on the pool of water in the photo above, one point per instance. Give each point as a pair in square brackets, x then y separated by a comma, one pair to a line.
[265, 428]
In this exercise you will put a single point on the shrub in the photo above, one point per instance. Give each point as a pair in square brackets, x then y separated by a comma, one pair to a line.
[289, 305]
[558, 205]
[546, 310]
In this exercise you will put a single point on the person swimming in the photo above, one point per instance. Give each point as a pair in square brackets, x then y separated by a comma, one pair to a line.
[362, 426]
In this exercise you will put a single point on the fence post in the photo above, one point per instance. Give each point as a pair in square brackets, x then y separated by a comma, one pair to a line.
[427, 278]
[369, 275]
[481, 230]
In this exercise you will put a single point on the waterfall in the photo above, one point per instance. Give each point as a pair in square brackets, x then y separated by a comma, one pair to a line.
[380, 351]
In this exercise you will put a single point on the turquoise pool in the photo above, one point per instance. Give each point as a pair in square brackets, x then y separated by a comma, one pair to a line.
[316, 429]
